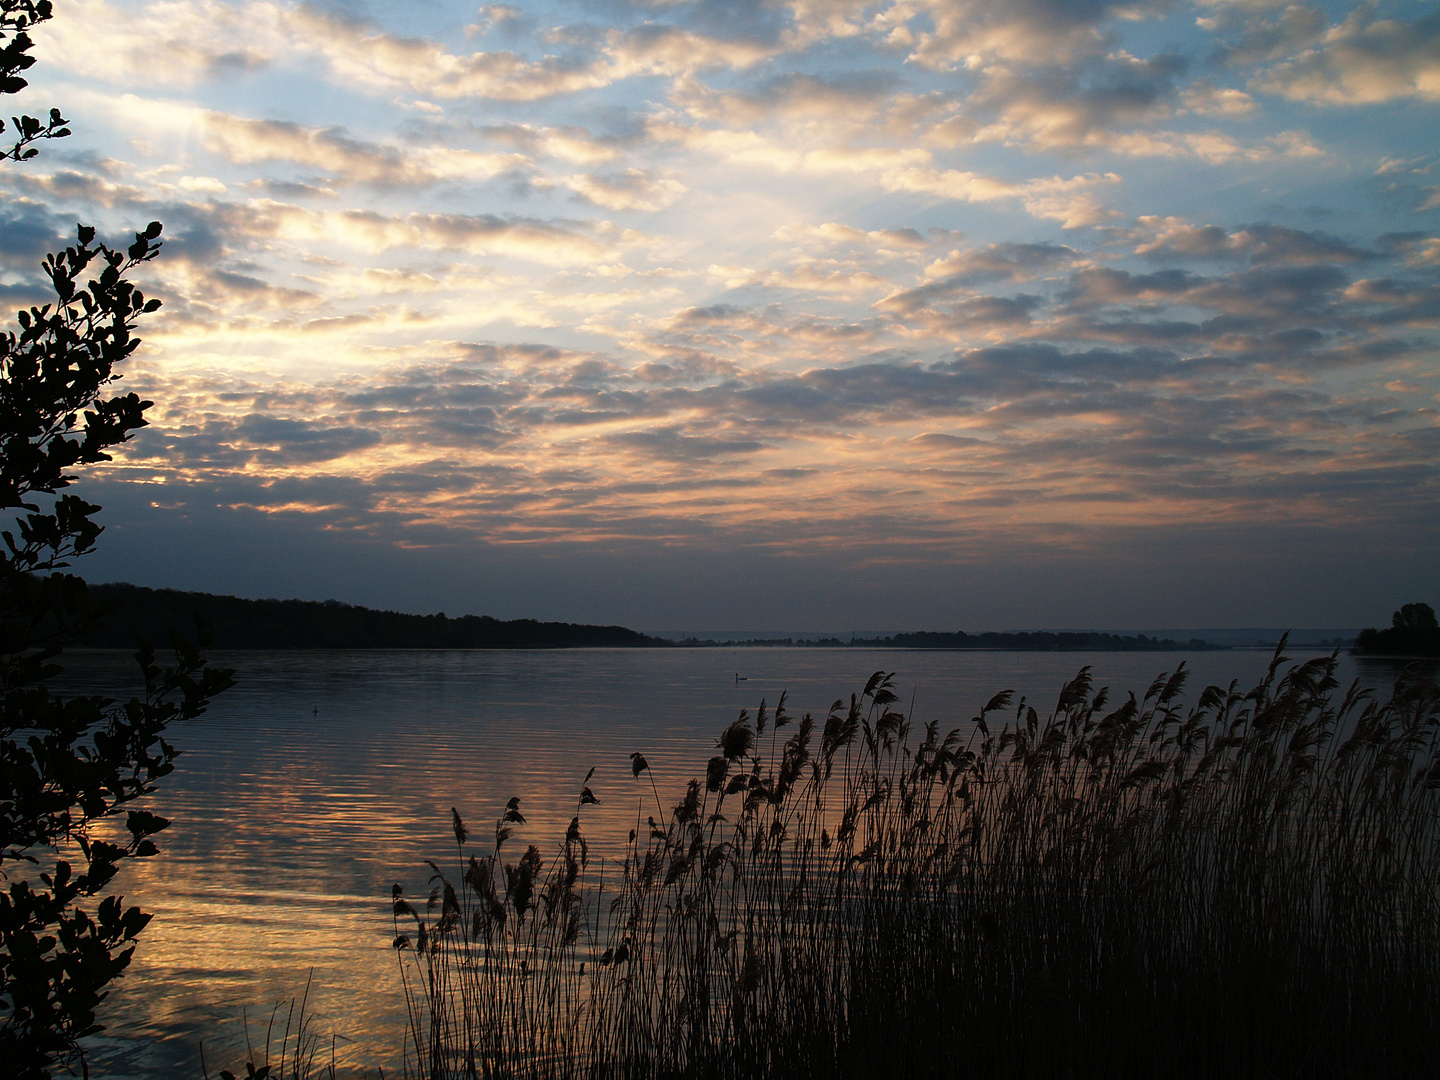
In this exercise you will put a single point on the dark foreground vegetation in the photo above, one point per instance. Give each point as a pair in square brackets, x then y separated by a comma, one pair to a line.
[1245, 886]
[235, 623]
[68, 763]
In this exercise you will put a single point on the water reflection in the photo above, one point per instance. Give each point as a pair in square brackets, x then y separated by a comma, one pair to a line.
[322, 778]
[1383, 671]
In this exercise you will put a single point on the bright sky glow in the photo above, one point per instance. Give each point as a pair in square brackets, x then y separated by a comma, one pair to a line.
[915, 314]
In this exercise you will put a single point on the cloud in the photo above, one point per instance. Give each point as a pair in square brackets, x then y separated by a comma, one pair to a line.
[567, 142]
[1404, 303]
[823, 277]
[912, 276]
[953, 276]
[633, 189]
[658, 49]
[545, 242]
[1288, 292]
[347, 160]
[1068, 201]
[672, 444]
[832, 232]
[177, 44]
[1174, 238]
[27, 234]
[1405, 181]
[792, 98]
[1363, 61]
[532, 443]
[1053, 107]
[1007, 261]
[949, 33]
[1252, 33]
[360, 54]
[1116, 103]
[259, 438]
[1213, 147]
[1206, 99]
[995, 312]
[503, 17]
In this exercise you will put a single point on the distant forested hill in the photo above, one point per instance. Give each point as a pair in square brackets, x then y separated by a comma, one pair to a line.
[307, 624]
[1035, 640]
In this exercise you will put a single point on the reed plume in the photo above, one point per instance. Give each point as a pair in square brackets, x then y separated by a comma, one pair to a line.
[1245, 886]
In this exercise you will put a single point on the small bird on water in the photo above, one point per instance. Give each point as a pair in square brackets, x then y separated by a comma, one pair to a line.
[740, 678]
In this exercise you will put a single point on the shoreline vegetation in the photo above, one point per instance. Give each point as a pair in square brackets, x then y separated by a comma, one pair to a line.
[1244, 886]
[1017, 641]
[1413, 632]
[235, 623]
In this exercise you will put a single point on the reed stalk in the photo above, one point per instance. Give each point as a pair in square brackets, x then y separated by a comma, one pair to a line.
[1245, 886]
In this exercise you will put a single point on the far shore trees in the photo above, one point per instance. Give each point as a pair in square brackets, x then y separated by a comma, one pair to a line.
[68, 765]
[1412, 632]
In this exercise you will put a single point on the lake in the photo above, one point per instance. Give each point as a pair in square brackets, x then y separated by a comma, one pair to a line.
[323, 778]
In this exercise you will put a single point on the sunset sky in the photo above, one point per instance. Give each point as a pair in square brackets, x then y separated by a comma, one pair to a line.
[807, 314]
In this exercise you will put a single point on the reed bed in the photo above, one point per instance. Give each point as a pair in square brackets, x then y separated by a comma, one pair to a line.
[1245, 886]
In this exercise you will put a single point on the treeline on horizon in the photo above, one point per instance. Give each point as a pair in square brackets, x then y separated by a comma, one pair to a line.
[237, 623]
[1038, 640]
[1012, 641]
[1413, 631]
[136, 612]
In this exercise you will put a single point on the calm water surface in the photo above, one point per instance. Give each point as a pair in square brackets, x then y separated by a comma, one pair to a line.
[323, 778]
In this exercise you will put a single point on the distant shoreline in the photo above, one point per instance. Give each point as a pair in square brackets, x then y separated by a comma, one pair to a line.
[235, 623]
[959, 641]
[239, 624]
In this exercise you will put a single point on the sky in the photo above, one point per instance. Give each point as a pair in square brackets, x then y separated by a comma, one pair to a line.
[921, 314]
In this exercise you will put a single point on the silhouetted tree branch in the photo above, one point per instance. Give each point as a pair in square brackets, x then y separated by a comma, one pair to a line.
[67, 764]
[16, 17]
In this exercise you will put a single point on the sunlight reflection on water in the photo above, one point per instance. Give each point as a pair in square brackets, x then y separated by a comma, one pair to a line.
[323, 778]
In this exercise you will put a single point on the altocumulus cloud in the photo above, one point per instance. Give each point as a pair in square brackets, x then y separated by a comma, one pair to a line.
[899, 291]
